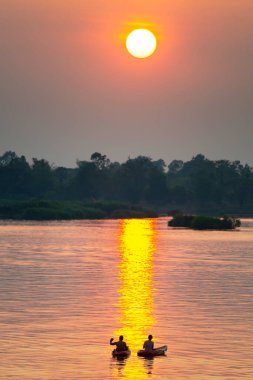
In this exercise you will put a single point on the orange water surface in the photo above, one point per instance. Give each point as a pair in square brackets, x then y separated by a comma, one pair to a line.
[68, 287]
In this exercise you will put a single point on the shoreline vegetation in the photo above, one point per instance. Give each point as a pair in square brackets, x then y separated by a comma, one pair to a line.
[140, 187]
[68, 210]
[201, 222]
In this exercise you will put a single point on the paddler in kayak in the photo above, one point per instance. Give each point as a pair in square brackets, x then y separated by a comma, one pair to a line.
[148, 345]
[120, 345]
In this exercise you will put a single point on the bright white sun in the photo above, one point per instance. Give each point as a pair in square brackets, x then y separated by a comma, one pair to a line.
[141, 43]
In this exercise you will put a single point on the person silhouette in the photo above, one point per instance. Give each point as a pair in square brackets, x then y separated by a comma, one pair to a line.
[148, 345]
[120, 345]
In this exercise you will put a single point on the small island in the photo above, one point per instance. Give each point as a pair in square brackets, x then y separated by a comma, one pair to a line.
[199, 222]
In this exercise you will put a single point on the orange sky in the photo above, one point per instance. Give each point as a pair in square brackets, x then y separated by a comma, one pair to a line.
[69, 87]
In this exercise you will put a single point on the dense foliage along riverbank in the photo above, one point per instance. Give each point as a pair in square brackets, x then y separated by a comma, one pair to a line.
[65, 210]
[204, 222]
[198, 186]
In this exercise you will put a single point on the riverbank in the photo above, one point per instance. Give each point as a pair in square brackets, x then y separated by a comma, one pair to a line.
[68, 210]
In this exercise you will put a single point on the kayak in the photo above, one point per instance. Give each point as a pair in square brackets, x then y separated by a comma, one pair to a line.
[120, 354]
[159, 351]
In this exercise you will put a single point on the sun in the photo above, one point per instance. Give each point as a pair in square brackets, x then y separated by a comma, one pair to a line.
[141, 43]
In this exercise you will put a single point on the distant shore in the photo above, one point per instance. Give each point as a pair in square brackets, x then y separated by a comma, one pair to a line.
[99, 188]
[69, 210]
[41, 209]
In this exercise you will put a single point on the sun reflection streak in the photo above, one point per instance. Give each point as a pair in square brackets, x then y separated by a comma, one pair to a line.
[137, 245]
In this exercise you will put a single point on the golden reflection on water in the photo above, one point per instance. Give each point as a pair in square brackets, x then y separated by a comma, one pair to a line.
[137, 244]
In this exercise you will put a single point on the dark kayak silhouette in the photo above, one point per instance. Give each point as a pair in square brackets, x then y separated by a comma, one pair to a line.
[121, 354]
[159, 351]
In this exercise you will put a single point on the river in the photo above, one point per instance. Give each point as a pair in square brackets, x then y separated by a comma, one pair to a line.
[68, 287]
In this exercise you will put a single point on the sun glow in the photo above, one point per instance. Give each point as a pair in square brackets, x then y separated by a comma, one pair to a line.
[137, 244]
[141, 43]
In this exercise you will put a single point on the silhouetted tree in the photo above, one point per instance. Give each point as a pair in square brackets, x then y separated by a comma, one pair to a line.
[42, 177]
[159, 165]
[15, 175]
[244, 186]
[175, 166]
[87, 180]
[195, 184]
[7, 158]
[157, 191]
[134, 176]
[63, 182]
[101, 161]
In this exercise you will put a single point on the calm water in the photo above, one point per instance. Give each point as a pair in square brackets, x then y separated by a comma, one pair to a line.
[67, 287]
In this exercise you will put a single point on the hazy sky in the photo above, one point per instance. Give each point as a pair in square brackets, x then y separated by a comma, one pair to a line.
[68, 87]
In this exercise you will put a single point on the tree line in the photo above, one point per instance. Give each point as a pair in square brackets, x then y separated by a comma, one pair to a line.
[197, 184]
